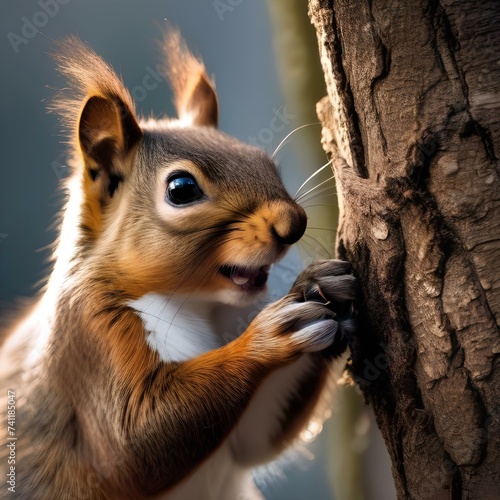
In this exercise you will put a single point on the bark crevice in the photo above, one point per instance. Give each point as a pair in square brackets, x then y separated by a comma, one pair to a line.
[332, 49]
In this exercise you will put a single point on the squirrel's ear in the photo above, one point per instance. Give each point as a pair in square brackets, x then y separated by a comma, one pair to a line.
[194, 92]
[198, 105]
[108, 134]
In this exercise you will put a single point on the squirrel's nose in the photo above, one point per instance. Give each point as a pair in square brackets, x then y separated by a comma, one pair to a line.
[290, 226]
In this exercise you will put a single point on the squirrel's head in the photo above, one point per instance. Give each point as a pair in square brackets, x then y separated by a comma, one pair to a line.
[171, 205]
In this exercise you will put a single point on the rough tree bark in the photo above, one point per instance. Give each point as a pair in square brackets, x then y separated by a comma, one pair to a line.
[412, 124]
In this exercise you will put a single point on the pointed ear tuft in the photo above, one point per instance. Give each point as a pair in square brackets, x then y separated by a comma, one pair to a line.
[107, 107]
[194, 92]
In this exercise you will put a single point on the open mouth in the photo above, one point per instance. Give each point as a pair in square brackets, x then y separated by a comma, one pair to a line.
[245, 277]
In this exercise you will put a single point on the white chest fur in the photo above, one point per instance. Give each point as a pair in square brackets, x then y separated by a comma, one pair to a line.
[179, 328]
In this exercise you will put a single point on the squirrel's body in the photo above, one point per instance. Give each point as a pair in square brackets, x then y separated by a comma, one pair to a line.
[124, 386]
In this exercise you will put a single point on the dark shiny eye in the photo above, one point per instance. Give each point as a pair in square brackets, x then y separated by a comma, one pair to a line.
[182, 189]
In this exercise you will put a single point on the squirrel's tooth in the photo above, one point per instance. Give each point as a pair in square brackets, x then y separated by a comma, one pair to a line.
[240, 280]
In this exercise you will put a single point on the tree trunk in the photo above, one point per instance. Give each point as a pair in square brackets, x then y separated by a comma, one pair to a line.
[412, 123]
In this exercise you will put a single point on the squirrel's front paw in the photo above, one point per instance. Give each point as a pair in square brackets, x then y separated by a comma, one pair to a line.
[331, 283]
[290, 327]
[317, 314]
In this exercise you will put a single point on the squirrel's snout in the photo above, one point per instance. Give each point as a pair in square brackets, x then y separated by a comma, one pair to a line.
[290, 225]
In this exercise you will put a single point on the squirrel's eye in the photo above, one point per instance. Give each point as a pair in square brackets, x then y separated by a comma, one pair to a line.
[182, 189]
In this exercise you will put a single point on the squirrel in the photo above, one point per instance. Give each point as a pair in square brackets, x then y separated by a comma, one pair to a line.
[123, 387]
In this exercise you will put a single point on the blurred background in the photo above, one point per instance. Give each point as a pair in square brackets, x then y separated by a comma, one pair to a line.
[264, 57]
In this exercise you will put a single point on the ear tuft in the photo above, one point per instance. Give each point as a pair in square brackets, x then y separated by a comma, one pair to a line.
[107, 109]
[194, 92]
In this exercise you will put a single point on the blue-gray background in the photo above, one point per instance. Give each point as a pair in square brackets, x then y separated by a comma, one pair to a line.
[236, 41]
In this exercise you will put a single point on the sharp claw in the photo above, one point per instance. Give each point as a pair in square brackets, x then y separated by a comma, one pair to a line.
[315, 289]
[323, 296]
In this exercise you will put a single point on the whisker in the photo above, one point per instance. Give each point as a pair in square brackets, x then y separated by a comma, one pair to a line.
[188, 296]
[330, 205]
[323, 248]
[311, 176]
[163, 308]
[322, 193]
[322, 228]
[282, 143]
[315, 187]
